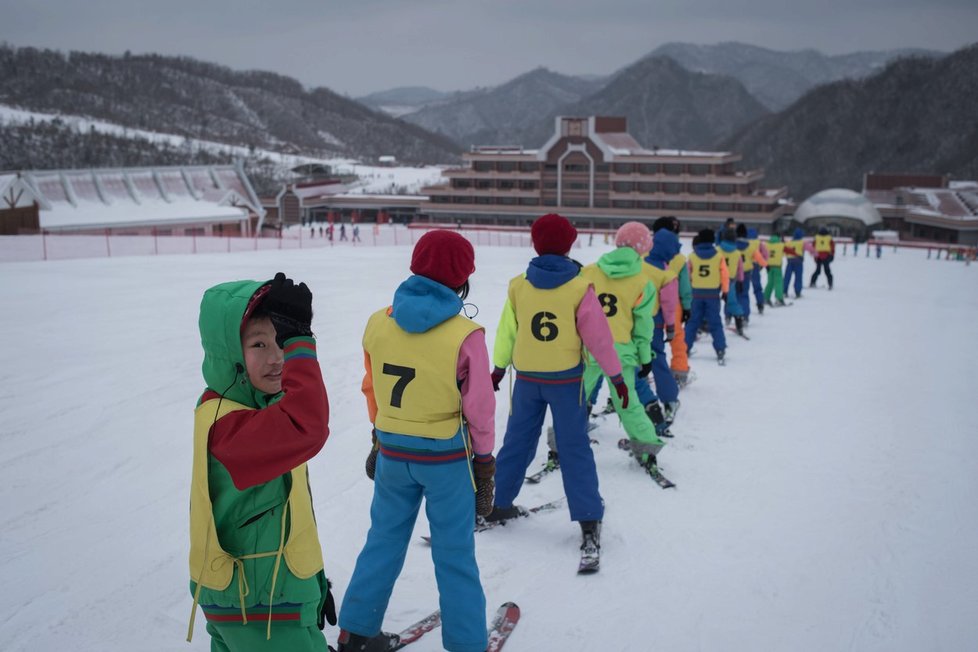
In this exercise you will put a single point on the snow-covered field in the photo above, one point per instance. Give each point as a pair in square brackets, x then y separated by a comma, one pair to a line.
[826, 476]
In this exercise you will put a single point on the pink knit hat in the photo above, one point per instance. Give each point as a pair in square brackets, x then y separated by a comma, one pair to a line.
[635, 235]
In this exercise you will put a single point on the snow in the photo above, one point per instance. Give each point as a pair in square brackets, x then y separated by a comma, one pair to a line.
[826, 487]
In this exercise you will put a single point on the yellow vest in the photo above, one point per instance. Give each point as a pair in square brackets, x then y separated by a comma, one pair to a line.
[731, 257]
[775, 253]
[706, 272]
[752, 246]
[823, 243]
[798, 247]
[546, 336]
[210, 565]
[659, 278]
[414, 375]
[617, 296]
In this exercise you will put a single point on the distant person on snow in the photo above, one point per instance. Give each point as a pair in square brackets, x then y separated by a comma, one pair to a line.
[342, 232]
[626, 294]
[824, 255]
[429, 396]
[255, 555]
[735, 265]
[356, 233]
[550, 314]
[711, 280]
[775, 283]
[794, 249]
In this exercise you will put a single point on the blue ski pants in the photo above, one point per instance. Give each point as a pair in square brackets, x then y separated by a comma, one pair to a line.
[708, 309]
[531, 398]
[665, 382]
[743, 292]
[447, 490]
[756, 283]
[795, 268]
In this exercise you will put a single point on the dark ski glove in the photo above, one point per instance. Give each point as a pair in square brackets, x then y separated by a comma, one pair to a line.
[497, 377]
[670, 333]
[622, 390]
[290, 308]
[687, 313]
[484, 470]
[371, 464]
[645, 369]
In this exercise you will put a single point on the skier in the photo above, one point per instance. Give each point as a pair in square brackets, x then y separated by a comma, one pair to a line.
[255, 555]
[627, 295]
[758, 251]
[429, 396]
[342, 232]
[824, 255]
[794, 249]
[775, 284]
[549, 314]
[735, 265]
[710, 280]
[665, 247]
[356, 233]
[679, 360]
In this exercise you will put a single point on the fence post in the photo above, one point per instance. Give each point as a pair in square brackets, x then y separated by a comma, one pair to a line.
[193, 235]
[44, 244]
[108, 247]
[156, 243]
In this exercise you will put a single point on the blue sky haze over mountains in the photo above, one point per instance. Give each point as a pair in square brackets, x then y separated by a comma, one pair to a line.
[365, 46]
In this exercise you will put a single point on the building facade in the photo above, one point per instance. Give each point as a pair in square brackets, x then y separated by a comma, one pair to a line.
[925, 207]
[593, 172]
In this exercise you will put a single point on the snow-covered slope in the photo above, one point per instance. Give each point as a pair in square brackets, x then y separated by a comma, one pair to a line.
[826, 476]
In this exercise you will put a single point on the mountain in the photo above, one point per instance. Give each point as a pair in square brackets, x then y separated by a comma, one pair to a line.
[666, 106]
[195, 99]
[917, 115]
[779, 78]
[500, 115]
[402, 100]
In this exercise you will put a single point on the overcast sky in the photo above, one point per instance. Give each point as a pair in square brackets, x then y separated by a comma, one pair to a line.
[360, 46]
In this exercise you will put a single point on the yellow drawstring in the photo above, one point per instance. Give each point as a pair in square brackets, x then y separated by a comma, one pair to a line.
[243, 588]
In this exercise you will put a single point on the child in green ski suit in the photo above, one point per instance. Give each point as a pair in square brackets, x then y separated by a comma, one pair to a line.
[775, 280]
[627, 295]
[255, 555]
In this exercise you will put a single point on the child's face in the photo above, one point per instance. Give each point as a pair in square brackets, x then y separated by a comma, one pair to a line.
[263, 358]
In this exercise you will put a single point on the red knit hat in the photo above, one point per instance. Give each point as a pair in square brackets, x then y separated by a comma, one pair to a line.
[443, 256]
[553, 234]
[635, 235]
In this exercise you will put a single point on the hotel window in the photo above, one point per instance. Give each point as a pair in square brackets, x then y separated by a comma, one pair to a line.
[528, 185]
[552, 185]
[672, 188]
[573, 201]
[507, 185]
[483, 200]
[699, 188]
[698, 206]
[482, 166]
[648, 187]
[506, 166]
[750, 208]
[577, 186]
[529, 167]
[722, 188]
[623, 168]
[461, 200]
[673, 168]
[601, 203]
[507, 200]
[648, 168]
[602, 185]
[699, 169]
[622, 203]
[673, 205]
[648, 205]
[461, 183]
[483, 184]
[621, 186]
[576, 167]
[550, 166]
[529, 201]
[723, 207]
[602, 167]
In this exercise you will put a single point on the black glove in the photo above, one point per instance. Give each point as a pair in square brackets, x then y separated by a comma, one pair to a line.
[622, 390]
[670, 333]
[484, 471]
[290, 308]
[327, 610]
[687, 313]
[497, 377]
[645, 369]
[724, 295]
[371, 464]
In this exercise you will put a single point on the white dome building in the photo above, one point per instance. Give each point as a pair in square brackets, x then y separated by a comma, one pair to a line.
[842, 211]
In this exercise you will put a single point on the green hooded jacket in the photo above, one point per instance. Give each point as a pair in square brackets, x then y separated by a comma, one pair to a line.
[625, 262]
[247, 521]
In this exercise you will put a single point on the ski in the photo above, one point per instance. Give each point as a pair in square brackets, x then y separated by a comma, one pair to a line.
[482, 524]
[590, 560]
[736, 332]
[654, 472]
[549, 467]
[418, 629]
[684, 380]
[503, 624]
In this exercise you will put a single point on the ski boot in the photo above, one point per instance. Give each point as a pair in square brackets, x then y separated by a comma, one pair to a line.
[609, 407]
[553, 461]
[726, 320]
[681, 377]
[590, 534]
[781, 302]
[721, 359]
[654, 412]
[760, 308]
[505, 513]
[739, 325]
[671, 408]
[350, 642]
